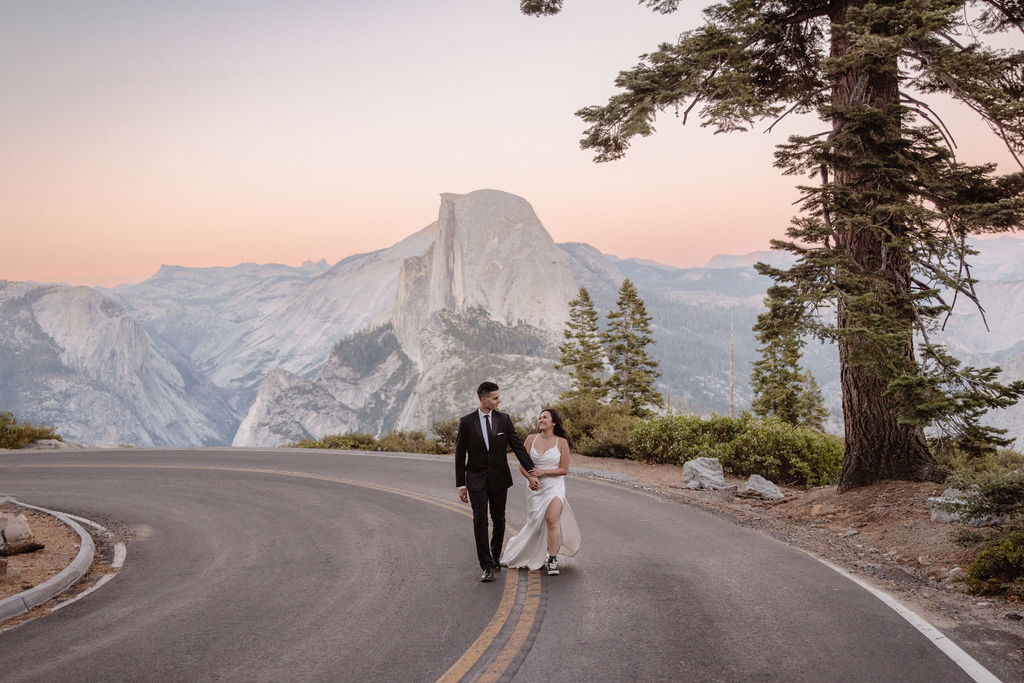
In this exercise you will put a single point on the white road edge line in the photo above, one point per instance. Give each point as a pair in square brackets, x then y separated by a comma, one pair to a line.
[103, 580]
[969, 664]
[89, 522]
[120, 553]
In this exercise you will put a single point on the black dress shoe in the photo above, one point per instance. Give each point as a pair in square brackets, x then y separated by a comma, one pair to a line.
[488, 575]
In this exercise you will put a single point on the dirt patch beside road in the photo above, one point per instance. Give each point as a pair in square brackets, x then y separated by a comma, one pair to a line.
[27, 570]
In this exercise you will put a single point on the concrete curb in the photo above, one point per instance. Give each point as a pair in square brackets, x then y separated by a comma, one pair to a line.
[37, 595]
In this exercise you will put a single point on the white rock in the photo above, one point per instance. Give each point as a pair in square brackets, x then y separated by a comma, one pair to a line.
[15, 527]
[704, 473]
[948, 509]
[766, 489]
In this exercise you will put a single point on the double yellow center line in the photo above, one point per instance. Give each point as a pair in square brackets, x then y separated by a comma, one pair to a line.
[499, 649]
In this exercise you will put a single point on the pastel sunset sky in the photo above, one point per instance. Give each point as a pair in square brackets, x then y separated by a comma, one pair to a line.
[137, 133]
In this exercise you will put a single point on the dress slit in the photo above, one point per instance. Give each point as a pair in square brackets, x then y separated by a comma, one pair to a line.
[529, 548]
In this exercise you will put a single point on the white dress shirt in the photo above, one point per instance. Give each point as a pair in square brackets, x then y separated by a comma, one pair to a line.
[483, 427]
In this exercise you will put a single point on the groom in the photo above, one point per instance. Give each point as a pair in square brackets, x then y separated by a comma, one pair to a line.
[482, 474]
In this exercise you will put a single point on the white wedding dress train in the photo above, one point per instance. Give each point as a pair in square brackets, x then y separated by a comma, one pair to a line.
[529, 548]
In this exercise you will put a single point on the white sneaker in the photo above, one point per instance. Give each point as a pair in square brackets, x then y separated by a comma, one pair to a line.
[552, 565]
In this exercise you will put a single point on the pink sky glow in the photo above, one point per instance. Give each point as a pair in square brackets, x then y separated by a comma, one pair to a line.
[216, 133]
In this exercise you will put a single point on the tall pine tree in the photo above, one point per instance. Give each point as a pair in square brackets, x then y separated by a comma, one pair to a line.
[626, 341]
[810, 407]
[881, 242]
[582, 350]
[776, 375]
[781, 387]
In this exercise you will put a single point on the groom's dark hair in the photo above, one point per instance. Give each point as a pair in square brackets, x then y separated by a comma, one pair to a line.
[485, 388]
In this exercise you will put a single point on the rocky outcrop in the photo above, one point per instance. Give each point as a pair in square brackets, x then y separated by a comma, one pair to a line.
[362, 387]
[237, 324]
[488, 299]
[74, 359]
[483, 292]
[491, 254]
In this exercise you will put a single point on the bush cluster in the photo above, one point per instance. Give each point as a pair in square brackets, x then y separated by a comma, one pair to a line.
[967, 464]
[445, 432]
[14, 435]
[596, 429]
[744, 445]
[999, 566]
[393, 442]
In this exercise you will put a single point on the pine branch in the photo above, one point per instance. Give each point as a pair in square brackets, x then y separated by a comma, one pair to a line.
[996, 126]
[1012, 18]
[922, 108]
[804, 102]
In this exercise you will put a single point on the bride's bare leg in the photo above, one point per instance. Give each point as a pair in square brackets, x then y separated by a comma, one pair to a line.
[552, 517]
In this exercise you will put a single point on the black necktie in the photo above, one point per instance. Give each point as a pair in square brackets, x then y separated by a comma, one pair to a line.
[487, 418]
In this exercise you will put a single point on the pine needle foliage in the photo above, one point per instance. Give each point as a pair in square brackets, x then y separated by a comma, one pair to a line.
[782, 389]
[810, 406]
[881, 237]
[582, 350]
[626, 341]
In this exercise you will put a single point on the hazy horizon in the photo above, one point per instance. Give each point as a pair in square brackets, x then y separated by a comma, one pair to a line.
[205, 134]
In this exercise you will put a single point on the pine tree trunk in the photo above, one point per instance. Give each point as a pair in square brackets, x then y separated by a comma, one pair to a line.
[877, 447]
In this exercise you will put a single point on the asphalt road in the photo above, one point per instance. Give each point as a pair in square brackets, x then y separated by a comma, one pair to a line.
[264, 565]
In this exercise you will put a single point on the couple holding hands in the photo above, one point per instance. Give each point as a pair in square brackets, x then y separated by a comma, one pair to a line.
[483, 477]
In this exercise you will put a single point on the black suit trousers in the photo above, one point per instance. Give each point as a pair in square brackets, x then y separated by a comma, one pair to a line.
[493, 497]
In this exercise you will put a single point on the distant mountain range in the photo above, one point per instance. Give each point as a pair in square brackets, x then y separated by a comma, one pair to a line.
[259, 355]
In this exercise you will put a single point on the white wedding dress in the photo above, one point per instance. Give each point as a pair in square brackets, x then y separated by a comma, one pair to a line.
[529, 548]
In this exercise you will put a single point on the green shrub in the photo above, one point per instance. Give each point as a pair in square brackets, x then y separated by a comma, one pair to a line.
[596, 429]
[445, 432]
[785, 454]
[675, 439]
[13, 435]
[744, 445]
[408, 442]
[954, 459]
[995, 495]
[350, 441]
[394, 442]
[999, 566]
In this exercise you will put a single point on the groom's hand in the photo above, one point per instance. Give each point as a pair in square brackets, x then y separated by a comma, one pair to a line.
[463, 496]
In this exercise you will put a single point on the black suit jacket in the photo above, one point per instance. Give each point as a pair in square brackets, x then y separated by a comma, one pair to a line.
[475, 464]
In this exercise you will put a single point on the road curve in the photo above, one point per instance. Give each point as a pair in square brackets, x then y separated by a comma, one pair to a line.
[311, 565]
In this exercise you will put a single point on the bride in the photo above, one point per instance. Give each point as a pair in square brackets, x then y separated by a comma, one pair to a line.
[550, 528]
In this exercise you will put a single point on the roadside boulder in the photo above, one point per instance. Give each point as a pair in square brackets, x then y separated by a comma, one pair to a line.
[764, 488]
[14, 528]
[15, 535]
[704, 473]
[948, 509]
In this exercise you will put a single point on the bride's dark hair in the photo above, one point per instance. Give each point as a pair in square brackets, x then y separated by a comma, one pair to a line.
[559, 427]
